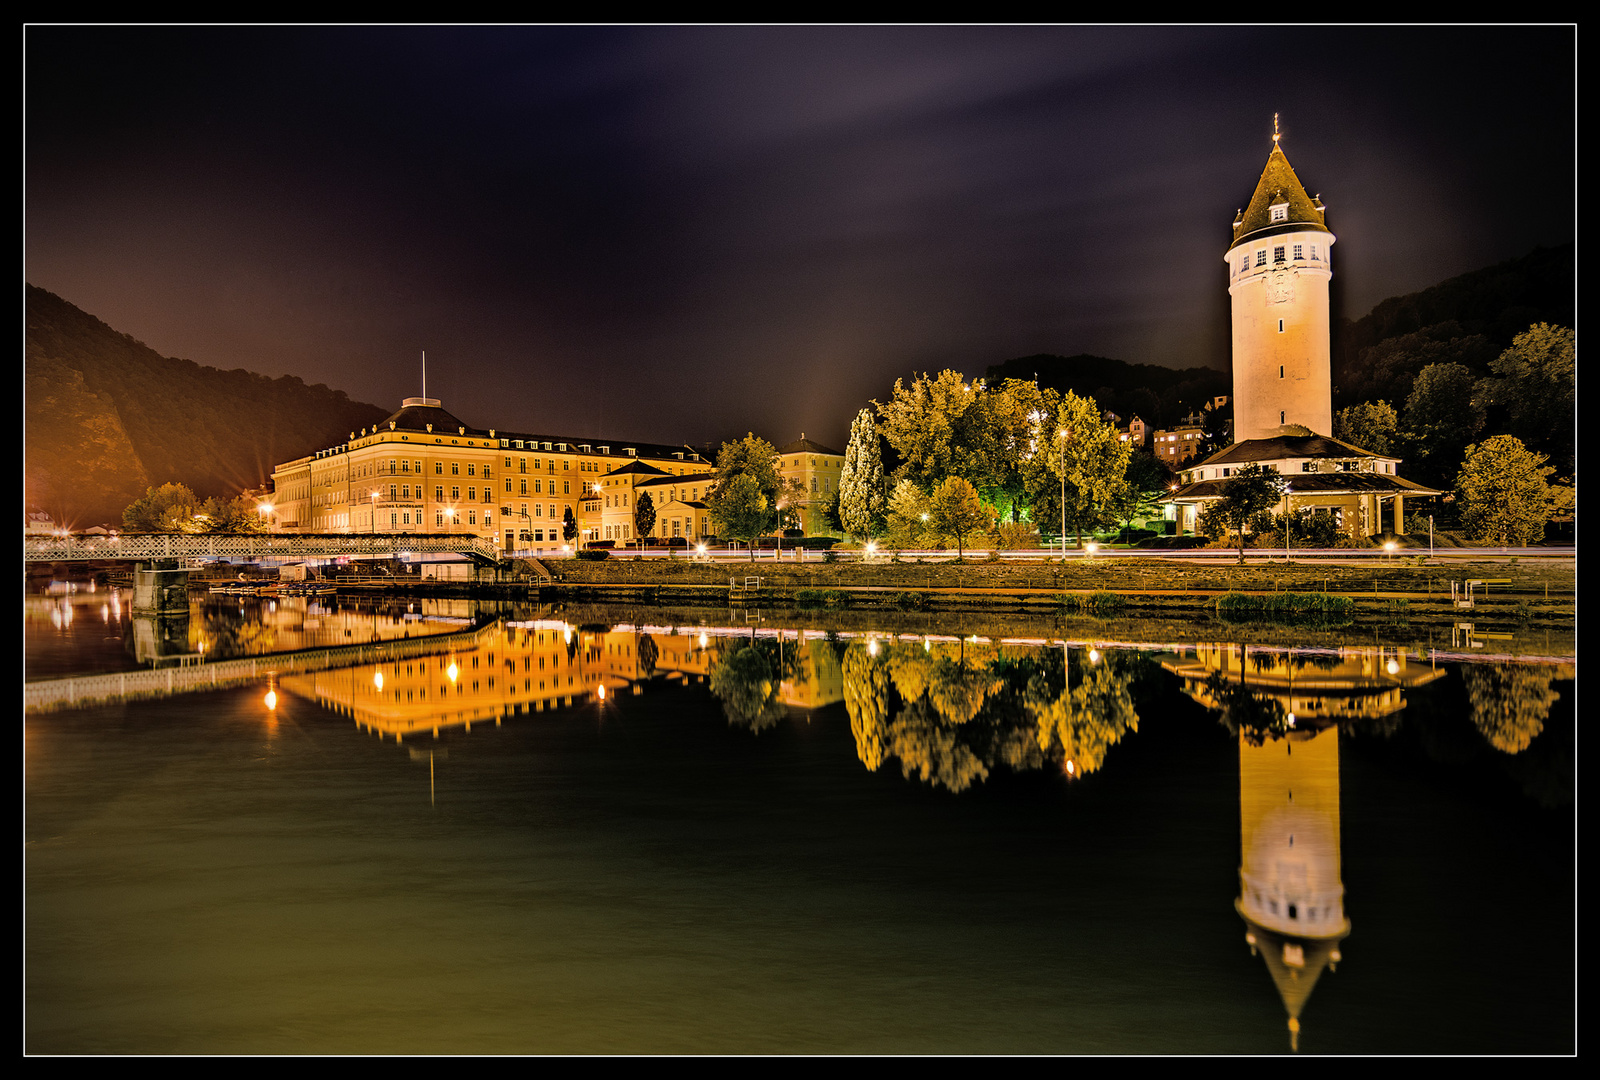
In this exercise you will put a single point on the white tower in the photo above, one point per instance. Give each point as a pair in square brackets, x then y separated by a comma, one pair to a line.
[1278, 273]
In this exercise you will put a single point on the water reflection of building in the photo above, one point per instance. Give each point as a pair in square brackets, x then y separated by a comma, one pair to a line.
[513, 670]
[1315, 686]
[815, 679]
[1291, 889]
[1291, 885]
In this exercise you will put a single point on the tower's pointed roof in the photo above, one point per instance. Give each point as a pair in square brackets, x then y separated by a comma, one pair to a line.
[1278, 184]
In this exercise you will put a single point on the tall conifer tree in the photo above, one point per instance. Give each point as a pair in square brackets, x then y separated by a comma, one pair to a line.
[863, 492]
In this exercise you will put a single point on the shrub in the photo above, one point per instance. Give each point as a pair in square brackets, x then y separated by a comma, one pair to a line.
[1016, 535]
[1097, 603]
[593, 554]
[1290, 607]
[911, 601]
[815, 598]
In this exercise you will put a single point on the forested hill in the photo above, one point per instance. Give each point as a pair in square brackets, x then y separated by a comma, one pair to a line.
[1378, 355]
[1157, 395]
[107, 417]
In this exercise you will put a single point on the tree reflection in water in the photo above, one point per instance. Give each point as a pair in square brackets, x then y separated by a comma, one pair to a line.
[965, 708]
[1510, 702]
[747, 678]
[1082, 724]
[866, 699]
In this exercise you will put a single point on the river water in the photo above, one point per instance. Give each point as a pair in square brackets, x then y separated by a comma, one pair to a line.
[621, 837]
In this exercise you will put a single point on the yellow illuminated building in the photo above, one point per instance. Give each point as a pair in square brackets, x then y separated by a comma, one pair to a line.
[816, 470]
[422, 470]
[1279, 267]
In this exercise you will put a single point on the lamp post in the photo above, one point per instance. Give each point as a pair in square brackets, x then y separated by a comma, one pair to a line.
[1287, 523]
[374, 511]
[1063, 436]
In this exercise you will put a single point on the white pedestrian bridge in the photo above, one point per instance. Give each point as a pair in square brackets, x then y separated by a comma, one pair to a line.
[143, 547]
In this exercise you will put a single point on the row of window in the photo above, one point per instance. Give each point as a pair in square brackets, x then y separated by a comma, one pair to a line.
[1281, 254]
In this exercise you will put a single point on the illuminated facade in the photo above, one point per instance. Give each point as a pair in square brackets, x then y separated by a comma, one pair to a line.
[1279, 266]
[816, 469]
[422, 470]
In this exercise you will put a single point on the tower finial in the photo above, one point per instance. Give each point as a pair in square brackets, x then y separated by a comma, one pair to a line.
[1275, 135]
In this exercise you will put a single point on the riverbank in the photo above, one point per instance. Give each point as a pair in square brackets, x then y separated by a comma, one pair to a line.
[1542, 591]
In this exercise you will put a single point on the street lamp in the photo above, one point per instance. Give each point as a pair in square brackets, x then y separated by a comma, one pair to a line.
[1064, 436]
[1287, 522]
[374, 511]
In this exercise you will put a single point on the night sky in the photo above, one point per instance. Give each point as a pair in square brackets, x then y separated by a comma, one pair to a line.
[680, 234]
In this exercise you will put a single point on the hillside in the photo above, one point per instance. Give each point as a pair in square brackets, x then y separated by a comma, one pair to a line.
[1468, 319]
[106, 417]
[1158, 395]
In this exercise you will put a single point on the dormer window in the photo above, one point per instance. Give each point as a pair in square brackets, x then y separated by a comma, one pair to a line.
[1280, 212]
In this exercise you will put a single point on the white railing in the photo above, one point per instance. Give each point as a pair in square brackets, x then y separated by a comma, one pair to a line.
[142, 546]
[51, 694]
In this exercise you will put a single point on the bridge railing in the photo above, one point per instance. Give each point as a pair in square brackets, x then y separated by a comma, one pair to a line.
[138, 547]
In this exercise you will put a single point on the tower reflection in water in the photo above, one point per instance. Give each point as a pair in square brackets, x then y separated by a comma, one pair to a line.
[1285, 708]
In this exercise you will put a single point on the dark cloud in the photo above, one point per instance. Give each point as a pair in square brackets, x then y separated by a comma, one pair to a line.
[675, 233]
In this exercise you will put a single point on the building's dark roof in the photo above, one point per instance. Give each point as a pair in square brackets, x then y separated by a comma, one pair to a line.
[804, 445]
[1278, 183]
[670, 479]
[413, 416]
[1329, 483]
[641, 467]
[1287, 446]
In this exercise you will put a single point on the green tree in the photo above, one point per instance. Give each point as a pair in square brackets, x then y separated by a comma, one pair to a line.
[1148, 481]
[168, 508]
[1004, 429]
[863, 492]
[569, 526]
[1537, 379]
[1215, 430]
[908, 515]
[740, 509]
[1371, 425]
[1250, 490]
[1504, 492]
[929, 425]
[1075, 445]
[749, 492]
[644, 514]
[1444, 413]
[956, 511]
[236, 515]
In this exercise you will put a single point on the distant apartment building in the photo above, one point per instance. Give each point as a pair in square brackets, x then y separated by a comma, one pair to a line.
[1174, 446]
[1137, 432]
